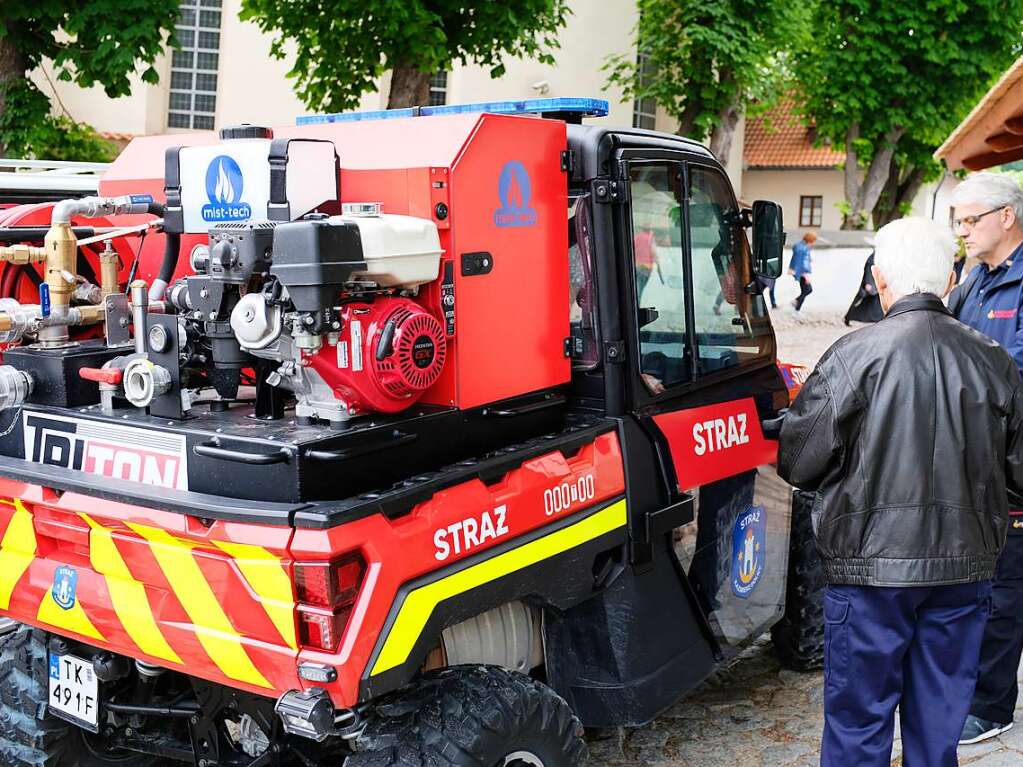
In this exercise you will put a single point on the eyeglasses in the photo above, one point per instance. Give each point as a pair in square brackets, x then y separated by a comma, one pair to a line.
[972, 221]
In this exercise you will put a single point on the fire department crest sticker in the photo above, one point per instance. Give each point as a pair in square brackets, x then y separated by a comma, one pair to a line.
[749, 550]
[65, 584]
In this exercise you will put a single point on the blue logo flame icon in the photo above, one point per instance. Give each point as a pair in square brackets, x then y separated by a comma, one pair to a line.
[514, 191]
[224, 185]
[65, 585]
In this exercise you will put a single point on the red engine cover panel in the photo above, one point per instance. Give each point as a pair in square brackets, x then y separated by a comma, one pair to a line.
[414, 352]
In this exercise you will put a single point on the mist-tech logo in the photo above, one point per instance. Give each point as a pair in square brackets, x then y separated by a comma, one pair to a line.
[224, 189]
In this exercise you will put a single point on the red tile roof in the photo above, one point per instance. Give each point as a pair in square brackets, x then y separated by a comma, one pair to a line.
[113, 136]
[778, 139]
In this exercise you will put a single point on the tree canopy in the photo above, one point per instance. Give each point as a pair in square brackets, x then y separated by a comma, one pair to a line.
[889, 81]
[88, 42]
[705, 63]
[342, 47]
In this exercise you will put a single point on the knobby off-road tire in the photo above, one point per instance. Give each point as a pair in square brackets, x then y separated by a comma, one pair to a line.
[29, 738]
[471, 715]
[799, 636]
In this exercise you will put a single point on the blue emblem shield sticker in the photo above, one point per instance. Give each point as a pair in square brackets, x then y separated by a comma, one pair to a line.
[224, 186]
[749, 550]
[65, 585]
[514, 190]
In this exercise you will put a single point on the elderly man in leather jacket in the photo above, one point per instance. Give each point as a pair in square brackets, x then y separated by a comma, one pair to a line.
[909, 431]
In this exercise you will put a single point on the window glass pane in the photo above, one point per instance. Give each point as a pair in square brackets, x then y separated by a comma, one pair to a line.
[657, 255]
[205, 103]
[176, 120]
[210, 3]
[209, 19]
[180, 100]
[204, 82]
[207, 61]
[202, 122]
[186, 37]
[731, 324]
[186, 17]
[182, 60]
[582, 287]
[181, 80]
[209, 40]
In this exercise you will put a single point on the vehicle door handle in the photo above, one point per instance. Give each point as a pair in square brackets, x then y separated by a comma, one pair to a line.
[771, 427]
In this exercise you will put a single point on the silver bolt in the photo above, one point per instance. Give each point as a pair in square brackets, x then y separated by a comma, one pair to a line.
[204, 293]
[123, 322]
[308, 320]
[197, 315]
[213, 315]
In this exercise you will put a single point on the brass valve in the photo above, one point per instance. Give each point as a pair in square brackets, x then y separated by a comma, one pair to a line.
[22, 254]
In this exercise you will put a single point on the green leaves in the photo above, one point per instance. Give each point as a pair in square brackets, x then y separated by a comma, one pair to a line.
[89, 42]
[700, 58]
[29, 131]
[341, 47]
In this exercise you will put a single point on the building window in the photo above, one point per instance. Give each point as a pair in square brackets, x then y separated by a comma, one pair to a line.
[193, 95]
[644, 111]
[439, 89]
[811, 209]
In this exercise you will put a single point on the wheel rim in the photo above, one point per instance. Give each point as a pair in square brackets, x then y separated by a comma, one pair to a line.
[521, 759]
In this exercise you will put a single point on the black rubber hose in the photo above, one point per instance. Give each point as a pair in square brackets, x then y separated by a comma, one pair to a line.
[172, 247]
[156, 208]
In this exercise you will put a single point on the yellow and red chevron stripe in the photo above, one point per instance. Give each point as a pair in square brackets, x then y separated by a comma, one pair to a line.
[215, 602]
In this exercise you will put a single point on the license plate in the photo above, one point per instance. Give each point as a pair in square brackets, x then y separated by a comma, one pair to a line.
[74, 691]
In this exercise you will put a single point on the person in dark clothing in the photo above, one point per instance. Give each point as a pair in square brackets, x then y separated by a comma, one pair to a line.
[866, 306]
[989, 218]
[909, 431]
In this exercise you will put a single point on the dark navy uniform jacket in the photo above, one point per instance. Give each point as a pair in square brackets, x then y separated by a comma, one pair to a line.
[991, 302]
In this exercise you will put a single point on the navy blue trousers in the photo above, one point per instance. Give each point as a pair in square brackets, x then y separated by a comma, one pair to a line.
[916, 648]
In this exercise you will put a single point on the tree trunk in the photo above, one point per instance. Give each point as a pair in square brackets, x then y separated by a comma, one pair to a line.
[861, 197]
[687, 120]
[12, 70]
[409, 88]
[850, 219]
[723, 133]
[900, 192]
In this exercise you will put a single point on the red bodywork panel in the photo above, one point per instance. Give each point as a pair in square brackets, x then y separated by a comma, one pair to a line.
[713, 442]
[500, 181]
[218, 602]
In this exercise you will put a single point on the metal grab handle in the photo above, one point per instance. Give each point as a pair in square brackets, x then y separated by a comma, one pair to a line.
[397, 438]
[771, 427]
[212, 449]
[524, 409]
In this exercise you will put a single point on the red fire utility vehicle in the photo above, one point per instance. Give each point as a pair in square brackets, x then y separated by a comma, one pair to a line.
[402, 438]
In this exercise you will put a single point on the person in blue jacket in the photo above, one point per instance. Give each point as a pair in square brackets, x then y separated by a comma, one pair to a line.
[988, 216]
[801, 267]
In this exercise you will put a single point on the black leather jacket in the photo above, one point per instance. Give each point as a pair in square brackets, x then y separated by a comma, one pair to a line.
[909, 431]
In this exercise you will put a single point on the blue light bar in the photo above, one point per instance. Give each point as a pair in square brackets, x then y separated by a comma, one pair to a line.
[576, 106]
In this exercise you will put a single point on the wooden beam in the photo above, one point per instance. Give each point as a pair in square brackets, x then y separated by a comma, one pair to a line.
[1004, 142]
[991, 159]
[1014, 125]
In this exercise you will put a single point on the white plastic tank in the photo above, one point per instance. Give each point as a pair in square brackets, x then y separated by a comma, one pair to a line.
[400, 251]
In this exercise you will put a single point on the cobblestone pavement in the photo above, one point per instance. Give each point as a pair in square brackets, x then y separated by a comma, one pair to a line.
[754, 713]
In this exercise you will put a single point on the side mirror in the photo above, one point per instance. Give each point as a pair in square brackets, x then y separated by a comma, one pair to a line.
[768, 238]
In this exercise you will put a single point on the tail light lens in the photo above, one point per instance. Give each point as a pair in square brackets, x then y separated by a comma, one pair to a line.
[326, 595]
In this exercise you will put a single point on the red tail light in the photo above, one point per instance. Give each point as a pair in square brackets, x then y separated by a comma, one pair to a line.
[326, 594]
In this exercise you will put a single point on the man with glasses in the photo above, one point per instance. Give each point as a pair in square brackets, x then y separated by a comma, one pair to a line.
[988, 216]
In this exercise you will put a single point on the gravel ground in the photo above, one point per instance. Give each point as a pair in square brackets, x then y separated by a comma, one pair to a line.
[753, 713]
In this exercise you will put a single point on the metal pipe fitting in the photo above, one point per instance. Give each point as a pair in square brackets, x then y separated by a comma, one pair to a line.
[16, 319]
[143, 381]
[15, 387]
[139, 302]
[91, 207]
[22, 254]
[108, 269]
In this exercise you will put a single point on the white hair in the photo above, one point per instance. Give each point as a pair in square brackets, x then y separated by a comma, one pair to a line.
[992, 190]
[916, 256]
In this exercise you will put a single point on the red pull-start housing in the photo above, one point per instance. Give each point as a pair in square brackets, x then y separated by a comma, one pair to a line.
[388, 353]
